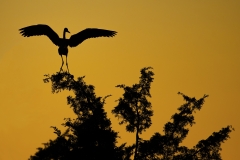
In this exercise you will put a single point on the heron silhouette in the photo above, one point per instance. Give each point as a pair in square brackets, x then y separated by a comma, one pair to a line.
[63, 43]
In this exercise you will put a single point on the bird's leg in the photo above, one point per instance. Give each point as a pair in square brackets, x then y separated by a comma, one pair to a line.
[67, 64]
[62, 64]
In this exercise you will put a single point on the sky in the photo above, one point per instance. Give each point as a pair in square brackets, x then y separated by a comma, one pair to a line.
[193, 47]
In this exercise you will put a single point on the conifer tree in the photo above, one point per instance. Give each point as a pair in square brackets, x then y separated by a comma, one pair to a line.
[133, 108]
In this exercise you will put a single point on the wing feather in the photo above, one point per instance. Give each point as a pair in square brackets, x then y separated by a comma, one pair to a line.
[78, 38]
[38, 30]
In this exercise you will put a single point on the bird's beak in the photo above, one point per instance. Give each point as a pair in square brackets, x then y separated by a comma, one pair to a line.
[68, 31]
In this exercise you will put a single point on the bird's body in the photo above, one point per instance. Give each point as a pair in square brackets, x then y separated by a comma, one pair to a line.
[63, 43]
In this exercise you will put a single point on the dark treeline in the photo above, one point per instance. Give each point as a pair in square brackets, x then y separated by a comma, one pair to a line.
[91, 137]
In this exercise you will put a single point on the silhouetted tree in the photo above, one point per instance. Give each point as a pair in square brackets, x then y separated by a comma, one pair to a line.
[134, 109]
[167, 146]
[90, 135]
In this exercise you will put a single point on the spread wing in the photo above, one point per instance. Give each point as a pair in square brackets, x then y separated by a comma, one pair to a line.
[78, 38]
[38, 30]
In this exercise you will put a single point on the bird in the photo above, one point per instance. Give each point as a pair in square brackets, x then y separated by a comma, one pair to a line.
[63, 43]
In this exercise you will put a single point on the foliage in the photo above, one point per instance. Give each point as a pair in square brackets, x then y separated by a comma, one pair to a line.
[134, 109]
[167, 146]
[90, 135]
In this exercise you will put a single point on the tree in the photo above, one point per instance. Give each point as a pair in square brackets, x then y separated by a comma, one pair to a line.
[167, 146]
[134, 109]
[90, 135]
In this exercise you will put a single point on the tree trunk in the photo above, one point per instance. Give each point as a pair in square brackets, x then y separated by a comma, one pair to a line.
[137, 138]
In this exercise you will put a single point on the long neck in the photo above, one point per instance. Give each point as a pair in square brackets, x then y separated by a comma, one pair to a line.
[64, 37]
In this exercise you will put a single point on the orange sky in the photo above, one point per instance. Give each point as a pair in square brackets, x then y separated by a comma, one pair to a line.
[193, 47]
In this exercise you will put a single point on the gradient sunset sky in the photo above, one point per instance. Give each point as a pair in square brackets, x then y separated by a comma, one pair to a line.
[193, 46]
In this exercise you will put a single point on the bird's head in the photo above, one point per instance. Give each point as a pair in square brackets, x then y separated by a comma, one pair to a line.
[66, 30]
